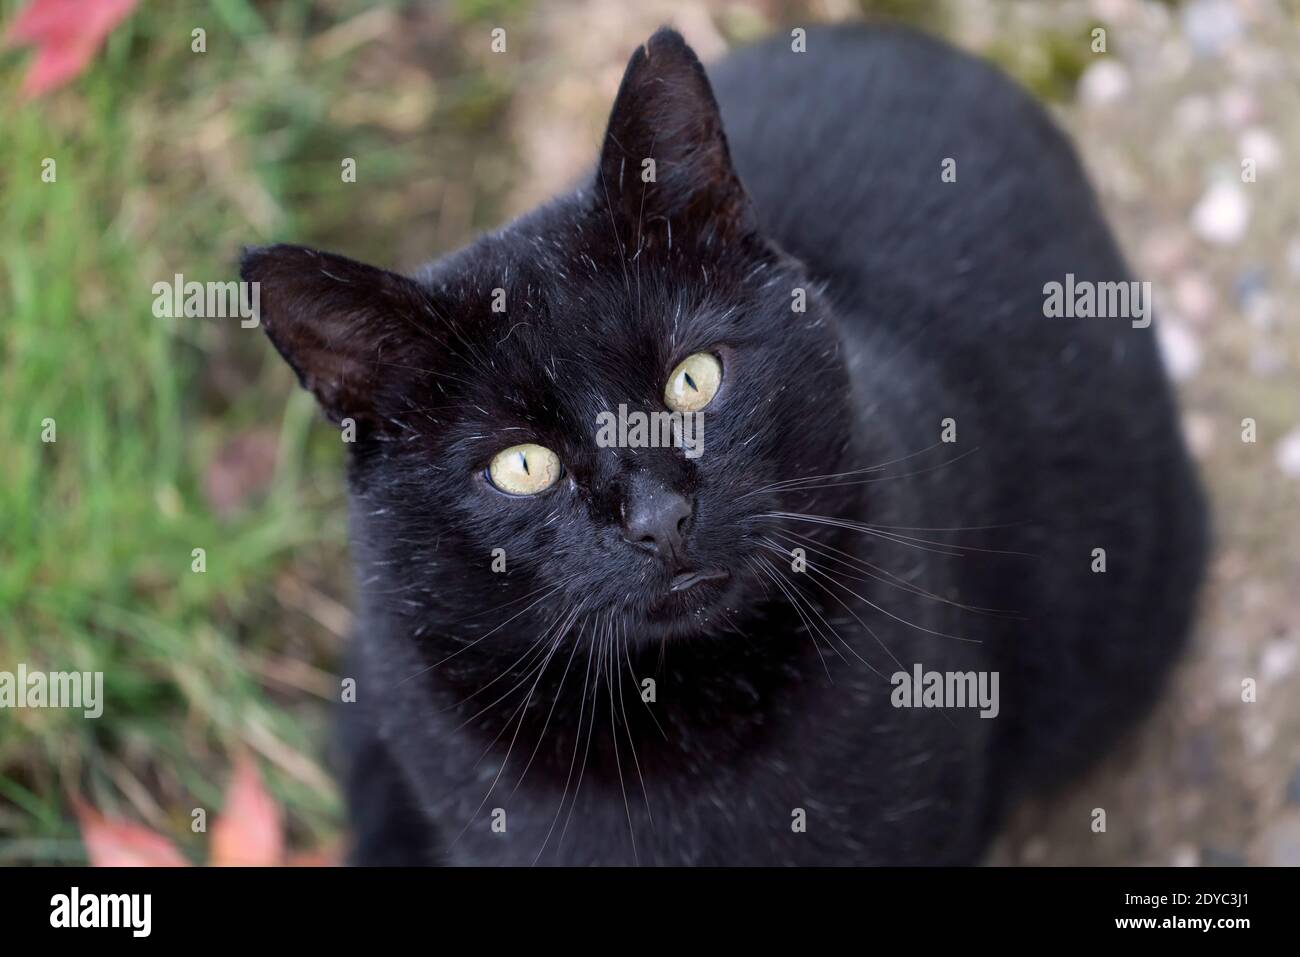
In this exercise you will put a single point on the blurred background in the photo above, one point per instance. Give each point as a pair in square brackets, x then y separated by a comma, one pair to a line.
[174, 434]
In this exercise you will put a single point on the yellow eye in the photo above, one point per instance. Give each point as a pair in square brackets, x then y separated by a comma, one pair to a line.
[524, 469]
[693, 383]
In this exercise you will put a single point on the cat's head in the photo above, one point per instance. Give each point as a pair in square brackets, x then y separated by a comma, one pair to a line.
[496, 395]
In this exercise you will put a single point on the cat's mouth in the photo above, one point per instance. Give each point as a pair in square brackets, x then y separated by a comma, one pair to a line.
[693, 600]
[687, 580]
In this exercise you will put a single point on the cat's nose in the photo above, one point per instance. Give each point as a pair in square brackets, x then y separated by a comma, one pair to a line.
[656, 520]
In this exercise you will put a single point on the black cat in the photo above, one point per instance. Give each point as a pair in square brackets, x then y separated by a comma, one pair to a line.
[571, 652]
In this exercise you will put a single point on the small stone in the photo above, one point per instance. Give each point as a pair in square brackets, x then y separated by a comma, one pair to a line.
[1199, 755]
[1180, 348]
[1185, 855]
[1210, 26]
[1237, 107]
[1231, 566]
[1193, 115]
[1217, 857]
[1222, 214]
[1034, 851]
[1278, 659]
[1266, 362]
[1261, 146]
[1110, 11]
[1261, 311]
[1293, 257]
[1278, 845]
[1199, 430]
[1287, 454]
[1194, 296]
[1229, 688]
[1166, 249]
[1104, 82]
[1249, 283]
[1257, 733]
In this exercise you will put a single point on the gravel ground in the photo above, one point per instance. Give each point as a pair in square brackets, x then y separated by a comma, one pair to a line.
[1164, 118]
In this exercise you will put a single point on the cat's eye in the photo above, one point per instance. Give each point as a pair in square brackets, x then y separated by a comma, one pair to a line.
[694, 383]
[524, 469]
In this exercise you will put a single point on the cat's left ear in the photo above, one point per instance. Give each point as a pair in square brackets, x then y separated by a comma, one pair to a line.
[665, 155]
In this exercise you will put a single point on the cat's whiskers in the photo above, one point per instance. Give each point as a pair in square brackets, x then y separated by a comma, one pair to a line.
[781, 485]
[435, 373]
[623, 643]
[512, 601]
[559, 690]
[535, 650]
[613, 225]
[854, 615]
[865, 626]
[922, 544]
[522, 712]
[601, 651]
[795, 590]
[462, 648]
[586, 753]
[607, 652]
[869, 630]
[577, 738]
[640, 215]
[627, 657]
[818, 571]
[793, 598]
[884, 576]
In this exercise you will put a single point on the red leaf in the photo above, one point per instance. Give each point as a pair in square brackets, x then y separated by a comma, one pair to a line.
[241, 469]
[66, 34]
[248, 832]
[123, 844]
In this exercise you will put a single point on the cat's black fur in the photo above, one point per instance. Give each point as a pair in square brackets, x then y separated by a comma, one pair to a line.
[522, 691]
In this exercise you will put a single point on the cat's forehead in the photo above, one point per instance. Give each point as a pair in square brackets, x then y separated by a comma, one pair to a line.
[555, 310]
[577, 296]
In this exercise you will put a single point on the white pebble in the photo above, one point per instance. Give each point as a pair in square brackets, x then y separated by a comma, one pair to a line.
[1185, 855]
[1222, 214]
[1211, 25]
[1287, 454]
[1278, 660]
[1105, 81]
[1261, 146]
[1179, 347]
[1199, 430]
[1193, 114]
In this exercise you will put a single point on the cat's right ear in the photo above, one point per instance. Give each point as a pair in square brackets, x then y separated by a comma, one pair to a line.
[355, 335]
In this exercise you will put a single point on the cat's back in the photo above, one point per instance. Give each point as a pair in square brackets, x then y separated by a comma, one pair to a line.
[935, 199]
[881, 146]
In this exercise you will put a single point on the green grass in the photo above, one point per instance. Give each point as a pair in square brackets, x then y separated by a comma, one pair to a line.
[168, 161]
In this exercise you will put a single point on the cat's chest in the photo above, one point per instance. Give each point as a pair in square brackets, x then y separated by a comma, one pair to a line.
[813, 778]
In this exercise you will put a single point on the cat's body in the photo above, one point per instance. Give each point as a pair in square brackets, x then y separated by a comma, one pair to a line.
[771, 736]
